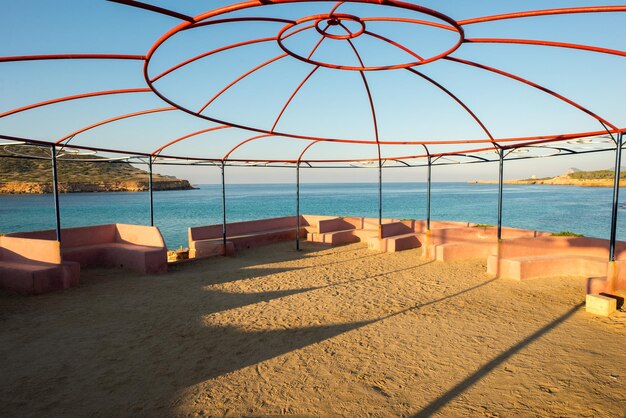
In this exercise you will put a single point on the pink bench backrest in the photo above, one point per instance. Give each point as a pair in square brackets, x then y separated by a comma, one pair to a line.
[25, 250]
[339, 224]
[395, 228]
[74, 237]
[241, 228]
[99, 234]
[139, 235]
[547, 245]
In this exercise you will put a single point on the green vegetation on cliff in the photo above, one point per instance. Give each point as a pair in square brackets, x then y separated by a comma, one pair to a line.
[70, 168]
[596, 175]
[597, 178]
[76, 173]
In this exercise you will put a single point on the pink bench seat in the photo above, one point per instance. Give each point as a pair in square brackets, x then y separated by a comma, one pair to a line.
[206, 241]
[338, 231]
[35, 279]
[32, 267]
[395, 236]
[131, 247]
[519, 268]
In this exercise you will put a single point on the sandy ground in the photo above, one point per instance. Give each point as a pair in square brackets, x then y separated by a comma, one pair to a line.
[324, 332]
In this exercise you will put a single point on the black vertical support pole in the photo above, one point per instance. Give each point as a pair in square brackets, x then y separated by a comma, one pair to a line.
[618, 163]
[298, 206]
[380, 192]
[428, 189]
[500, 190]
[223, 207]
[55, 192]
[151, 190]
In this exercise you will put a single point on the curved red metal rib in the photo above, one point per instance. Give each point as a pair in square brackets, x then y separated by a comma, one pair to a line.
[317, 45]
[74, 97]
[227, 47]
[547, 12]
[72, 57]
[209, 53]
[182, 138]
[305, 150]
[161, 10]
[241, 77]
[335, 7]
[302, 29]
[370, 99]
[535, 85]
[238, 19]
[254, 138]
[408, 20]
[546, 43]
[456, 99]
[288, 102]
[396, 44]
[114, 119]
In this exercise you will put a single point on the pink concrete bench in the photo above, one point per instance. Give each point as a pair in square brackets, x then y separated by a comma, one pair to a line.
[398, 235]
[464, 243]
[519, 268]
[395, 236]
[206, 241]
[132, 247]
[33, 266]
[544, 256]
[337, 231]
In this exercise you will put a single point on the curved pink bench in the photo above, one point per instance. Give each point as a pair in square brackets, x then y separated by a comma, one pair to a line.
[463, 243]
[34, 266]
[132, 247]
[544, 256]
[337, 231]
[206, 241]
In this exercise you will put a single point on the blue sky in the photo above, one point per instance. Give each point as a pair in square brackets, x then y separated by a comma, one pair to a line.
[333, 103]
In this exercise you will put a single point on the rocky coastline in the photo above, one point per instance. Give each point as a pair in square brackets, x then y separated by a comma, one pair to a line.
[573, 177]
[19, 187]
[558, 181]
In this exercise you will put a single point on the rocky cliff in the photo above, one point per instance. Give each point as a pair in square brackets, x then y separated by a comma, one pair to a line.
[27, 169]
[20, 187]
[600, 178]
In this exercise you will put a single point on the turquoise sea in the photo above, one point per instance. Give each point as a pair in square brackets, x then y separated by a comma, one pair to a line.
[582, 210]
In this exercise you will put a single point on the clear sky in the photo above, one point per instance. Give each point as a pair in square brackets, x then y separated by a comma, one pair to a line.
[332, 103]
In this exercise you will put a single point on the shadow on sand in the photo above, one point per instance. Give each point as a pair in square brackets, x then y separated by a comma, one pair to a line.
[113, 360]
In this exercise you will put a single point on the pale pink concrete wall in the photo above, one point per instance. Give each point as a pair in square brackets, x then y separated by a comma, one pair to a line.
[473, 233]
[310, 221]
[247, 234]
[547, 245]
[549, 265]
[139, 235]
[135, 247]
[339, 224]
[24, 250]
[454, 251]
[264, 238]
[75, 237]
[100, 234]
[395, 228]
[241, 228]
[34, 266]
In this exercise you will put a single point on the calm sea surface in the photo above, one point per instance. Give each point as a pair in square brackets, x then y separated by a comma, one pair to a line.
[584, 210]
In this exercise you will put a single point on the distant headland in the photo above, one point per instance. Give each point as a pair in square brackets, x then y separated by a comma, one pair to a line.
[573, 177]
[19, 175]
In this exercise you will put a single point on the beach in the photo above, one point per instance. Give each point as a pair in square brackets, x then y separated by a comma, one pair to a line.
[323, 332]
